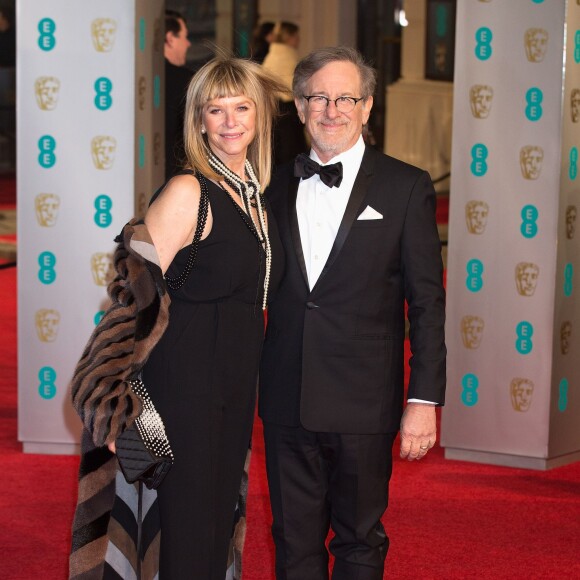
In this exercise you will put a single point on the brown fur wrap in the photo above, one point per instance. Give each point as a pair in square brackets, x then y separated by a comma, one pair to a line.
[123, 339]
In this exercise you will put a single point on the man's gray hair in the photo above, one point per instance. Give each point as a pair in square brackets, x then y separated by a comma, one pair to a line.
[320, 57]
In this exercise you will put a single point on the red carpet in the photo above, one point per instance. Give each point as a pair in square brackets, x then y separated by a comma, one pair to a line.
[7, 191]
[442, 212]
[7, 202]
[447, 520]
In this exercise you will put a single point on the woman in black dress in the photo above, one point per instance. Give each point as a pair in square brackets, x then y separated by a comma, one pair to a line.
[202, 374]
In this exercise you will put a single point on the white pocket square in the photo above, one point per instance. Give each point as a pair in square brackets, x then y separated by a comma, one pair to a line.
[370, 214]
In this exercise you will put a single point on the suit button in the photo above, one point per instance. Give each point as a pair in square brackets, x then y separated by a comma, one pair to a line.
[311, 305]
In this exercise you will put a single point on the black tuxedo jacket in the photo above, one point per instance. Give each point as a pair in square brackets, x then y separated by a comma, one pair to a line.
[333, 356]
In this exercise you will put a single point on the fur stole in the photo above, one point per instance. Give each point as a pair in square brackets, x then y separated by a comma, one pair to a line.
[123, 339]
[104, 528]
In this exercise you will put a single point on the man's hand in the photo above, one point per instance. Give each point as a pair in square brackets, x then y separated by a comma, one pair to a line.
[112, 447]
[418, 430]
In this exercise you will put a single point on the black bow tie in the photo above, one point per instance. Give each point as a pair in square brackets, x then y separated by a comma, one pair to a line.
[330, 175]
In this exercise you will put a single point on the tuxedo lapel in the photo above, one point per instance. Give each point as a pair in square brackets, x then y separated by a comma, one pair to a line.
[359, 190]
[294, 228]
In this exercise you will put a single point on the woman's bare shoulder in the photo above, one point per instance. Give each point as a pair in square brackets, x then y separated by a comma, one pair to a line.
[181, 189]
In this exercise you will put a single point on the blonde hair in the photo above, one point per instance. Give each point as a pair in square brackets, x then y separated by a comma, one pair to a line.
[224, 77]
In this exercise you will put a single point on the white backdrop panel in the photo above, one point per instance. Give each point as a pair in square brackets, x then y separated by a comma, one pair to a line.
[76, 180]
[503, 225]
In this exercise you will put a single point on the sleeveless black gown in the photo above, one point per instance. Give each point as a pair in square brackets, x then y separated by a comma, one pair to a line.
[202, 377]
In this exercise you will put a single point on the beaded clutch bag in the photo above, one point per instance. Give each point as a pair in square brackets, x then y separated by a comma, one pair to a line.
[143, 450]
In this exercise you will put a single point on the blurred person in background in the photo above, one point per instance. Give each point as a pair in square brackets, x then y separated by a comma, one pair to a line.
[281, 60]
[261, 39]
[177, 77]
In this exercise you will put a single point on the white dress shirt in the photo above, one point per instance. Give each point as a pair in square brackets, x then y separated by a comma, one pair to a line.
[320, 209]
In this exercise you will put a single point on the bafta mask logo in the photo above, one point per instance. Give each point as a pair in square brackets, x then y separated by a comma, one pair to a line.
[521, 391]
[46, 206]
[46, 90]
[102, 268]
[103, 149]
[480, 97]
[531, 158]
[141, 204]
[565, 336]
[571, 213]
[142, 92]
[536, 43]
[47, 321]
[575, 105]
[472, 331]
[157, 148]
[103, 32]
[440, 56]
[527, 278]
[476, 212]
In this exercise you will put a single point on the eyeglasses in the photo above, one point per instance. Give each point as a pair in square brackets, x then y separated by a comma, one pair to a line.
[318, 103]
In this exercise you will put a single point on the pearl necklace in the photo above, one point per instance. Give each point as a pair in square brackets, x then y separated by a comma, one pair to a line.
[249, 191]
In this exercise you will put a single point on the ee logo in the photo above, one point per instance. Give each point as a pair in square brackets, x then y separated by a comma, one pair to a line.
[46, 147]
[47, 388]
[577, 47]
[534, 98]
[568, 275]
[142, 29]
[474, 281]
[98, 316]
[483, 37]
[529, 227]
[47, 273]
[573, 170]
[141, 150]
[479, 155]
[524, 332]
[563, 395]
[103, 88]
[103, 205]
[46, 40]
[156, 91]
[470, 384]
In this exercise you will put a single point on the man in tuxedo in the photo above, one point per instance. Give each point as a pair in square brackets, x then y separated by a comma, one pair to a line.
[360, 238]
[177, 77]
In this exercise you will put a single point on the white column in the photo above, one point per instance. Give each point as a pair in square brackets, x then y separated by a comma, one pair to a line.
[90, 144]
[513, 320]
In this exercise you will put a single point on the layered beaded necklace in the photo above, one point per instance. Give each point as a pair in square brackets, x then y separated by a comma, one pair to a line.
[249, 192]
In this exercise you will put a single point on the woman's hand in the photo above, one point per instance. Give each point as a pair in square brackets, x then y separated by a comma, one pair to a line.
[112, 447]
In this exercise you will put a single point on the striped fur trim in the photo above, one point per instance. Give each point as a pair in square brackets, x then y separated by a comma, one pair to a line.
[123, 339]
[104, 534]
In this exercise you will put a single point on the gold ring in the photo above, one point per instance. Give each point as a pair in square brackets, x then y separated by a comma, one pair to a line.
[424, 448]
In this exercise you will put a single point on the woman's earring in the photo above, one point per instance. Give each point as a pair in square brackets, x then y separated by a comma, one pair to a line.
[203, 130]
